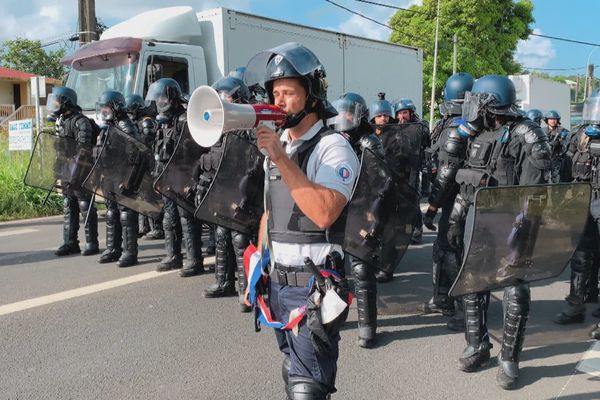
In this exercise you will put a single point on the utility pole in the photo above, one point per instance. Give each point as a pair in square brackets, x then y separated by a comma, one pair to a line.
[576, 89]
[454, 52]
[87, 21]
[589, 86]
[435, 55]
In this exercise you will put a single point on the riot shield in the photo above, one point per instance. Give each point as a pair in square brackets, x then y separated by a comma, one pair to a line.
[176, 181]
[381, 214]
[235, 197]
[518, 234]
[121, 173]
[402, 144]
[59, 164]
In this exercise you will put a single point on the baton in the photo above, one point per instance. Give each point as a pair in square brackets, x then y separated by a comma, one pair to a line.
[315, 271]
[87, 215]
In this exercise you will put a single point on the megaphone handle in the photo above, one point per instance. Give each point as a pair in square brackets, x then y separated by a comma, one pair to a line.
[271, 125]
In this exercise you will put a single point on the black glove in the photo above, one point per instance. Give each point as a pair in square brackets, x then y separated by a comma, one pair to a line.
[455, 236]
[428, 219]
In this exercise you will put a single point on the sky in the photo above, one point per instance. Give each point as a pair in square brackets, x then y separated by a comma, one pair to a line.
[576, 19]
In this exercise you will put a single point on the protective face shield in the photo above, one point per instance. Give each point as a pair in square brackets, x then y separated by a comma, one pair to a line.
[54, 104]
[591, 110]
[349, 115]
[104, 113]
[166, 95]
[475, 109]
[232, 90]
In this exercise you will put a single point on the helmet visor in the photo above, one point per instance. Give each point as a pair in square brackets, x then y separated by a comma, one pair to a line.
[349, 115]
[591, 110]
[160, 95]
[54, 103]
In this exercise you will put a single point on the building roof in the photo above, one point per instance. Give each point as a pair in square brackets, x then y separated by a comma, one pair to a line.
[15, 75]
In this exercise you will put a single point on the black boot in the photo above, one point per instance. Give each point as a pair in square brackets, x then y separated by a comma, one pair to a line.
[240, 242]
[477, 352]
[173, 232]
[156, 228]
[70, 227]
[192, 235]
[113, 235]
[365, 288]
[91, 228]
[129, 222]
[581, 268]
[224, 266]
[301, 388]
[384, 276]
[443, 275]
[516, 304]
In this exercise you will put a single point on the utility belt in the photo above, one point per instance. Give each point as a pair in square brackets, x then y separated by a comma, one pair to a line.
[470, 180]
[293, 275]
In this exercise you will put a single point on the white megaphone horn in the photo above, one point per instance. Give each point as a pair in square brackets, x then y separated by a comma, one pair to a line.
[209, 116]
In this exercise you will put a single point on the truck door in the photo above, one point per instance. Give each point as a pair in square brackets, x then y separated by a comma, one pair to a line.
[168, 65]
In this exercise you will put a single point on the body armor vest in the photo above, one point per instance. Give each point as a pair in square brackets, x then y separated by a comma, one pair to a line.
[287, 223]
[586, 160]
[167, 135]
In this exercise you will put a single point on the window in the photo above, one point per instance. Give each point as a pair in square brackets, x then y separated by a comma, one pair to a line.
[161, 66]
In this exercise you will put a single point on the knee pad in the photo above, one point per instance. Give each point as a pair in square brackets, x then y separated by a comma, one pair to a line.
[240, 241]
[362, 272]
[302, 388]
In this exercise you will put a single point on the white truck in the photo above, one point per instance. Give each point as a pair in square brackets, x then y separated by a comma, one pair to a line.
[199, 48]
[544, 94]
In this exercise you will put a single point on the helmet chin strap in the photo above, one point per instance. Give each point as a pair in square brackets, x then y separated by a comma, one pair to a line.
[294, 119]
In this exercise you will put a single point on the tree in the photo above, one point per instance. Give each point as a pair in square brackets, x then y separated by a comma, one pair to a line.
[29, 56]
[487, 31]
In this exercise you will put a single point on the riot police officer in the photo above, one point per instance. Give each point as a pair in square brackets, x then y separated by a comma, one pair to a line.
[505, 149]
[121, 222]
[353, 122]
[535, 115]
[584, 149]
[452, 152]
[381, 113]
[177, 222]
[144, 118]
[230, 244]
[558, 138]
[72, 124]
[311, 175]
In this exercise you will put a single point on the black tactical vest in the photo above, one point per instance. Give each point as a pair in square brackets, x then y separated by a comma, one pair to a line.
[586, 160]
[167, 135]
[287, 223]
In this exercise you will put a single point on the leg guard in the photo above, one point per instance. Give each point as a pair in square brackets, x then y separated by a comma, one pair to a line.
[365, 288]
[301, 388]
[477, 352]
[192, 235]
[591, 290]
[240, 243]
[442, 262]
[113, 234]
[208, 239]
[91, 228]
[224, 266]
[156, 227]
[144, 225]
[581, 268]
[129, 223]
[457, 321]
[70, 227]
[516, 311]
[173, 233]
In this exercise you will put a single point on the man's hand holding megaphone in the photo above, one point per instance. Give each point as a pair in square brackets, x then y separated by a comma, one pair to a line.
[268, 141]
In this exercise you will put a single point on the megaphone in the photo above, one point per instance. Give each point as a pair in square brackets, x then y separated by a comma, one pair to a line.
[209, 116]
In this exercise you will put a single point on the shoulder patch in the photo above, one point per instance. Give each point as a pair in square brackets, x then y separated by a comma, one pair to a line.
[344, 173]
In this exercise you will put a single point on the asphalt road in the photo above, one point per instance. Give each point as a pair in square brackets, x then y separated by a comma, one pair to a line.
[71, 328]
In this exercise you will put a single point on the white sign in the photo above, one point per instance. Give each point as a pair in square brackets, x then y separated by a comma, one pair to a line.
[41, 83]
[20, 135]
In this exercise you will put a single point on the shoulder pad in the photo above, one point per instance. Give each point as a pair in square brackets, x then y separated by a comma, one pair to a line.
[83, 123]
[530, 131]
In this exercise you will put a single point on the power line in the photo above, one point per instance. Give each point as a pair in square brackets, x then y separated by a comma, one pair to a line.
[557, 69]
[359, 14]
[565, 40]
[396, 8]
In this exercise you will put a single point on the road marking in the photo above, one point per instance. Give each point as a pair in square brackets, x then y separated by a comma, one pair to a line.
[82, 291]
[590, 361]
[420, 246]
[14, 232]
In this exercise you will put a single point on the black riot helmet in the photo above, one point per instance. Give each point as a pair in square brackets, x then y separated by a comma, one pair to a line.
[255, 90]
[134, 104]
[457, 85]
[381, 107]
[503, 91]
[535, 115]
[232, 90]
[352, 117]
[166, 95]
[552, 114]
[60, 100]
[110, 106]
[292, 60]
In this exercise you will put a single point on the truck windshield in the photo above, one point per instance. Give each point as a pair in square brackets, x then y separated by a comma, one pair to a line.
[89, 80]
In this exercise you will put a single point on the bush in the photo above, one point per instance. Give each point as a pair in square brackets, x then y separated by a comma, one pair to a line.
[16, 199]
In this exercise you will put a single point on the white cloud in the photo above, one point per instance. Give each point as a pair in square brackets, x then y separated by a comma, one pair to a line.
[51, 12]
[356, 25]
[535, 52]
[37, 19]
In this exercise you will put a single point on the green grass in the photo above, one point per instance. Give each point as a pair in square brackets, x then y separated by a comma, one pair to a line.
[18, 201]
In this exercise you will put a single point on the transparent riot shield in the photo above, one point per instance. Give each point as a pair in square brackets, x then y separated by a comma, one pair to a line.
[381, 214]
[176, 181]
[60, 164]
[121, 173]
[235, 197]
[518, 234]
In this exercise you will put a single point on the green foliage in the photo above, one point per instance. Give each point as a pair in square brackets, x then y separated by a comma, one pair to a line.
[16, 199]
[29, 56]
[487, 31]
